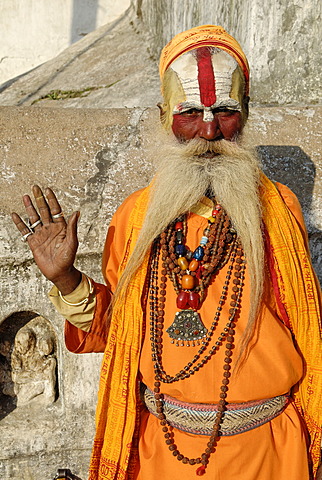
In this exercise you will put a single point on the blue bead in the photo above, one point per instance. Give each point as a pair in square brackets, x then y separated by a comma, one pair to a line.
[198, 253]
[180, 249]
[203, 241]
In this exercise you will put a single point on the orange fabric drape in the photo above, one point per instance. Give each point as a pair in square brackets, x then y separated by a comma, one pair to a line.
[117, 403]
[300, 294]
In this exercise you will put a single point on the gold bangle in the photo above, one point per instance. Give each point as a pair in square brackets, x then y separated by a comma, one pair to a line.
[85, 300]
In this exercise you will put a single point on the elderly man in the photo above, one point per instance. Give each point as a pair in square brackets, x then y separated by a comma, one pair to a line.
[210, 319]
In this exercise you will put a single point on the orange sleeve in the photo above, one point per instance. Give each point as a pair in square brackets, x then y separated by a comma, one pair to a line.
[77, 340]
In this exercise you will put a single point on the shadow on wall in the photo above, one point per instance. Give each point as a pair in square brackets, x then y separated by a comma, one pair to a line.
[291, 166]
[28, 365]
[83, 18]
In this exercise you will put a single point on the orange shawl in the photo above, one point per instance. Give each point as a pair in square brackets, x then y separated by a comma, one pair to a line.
[115, 445]
[299, 298]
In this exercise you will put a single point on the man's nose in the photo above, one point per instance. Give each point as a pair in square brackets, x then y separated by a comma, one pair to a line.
[210, 130]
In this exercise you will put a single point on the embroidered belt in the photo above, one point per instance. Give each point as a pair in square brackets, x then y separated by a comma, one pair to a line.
[199, 418]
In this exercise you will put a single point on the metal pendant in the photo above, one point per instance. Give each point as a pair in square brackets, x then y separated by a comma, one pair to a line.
[187, 328]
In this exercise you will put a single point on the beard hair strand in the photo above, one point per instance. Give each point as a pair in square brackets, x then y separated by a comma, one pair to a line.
[185, 173]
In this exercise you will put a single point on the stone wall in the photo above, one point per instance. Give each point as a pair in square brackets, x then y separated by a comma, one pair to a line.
[93, 159]
[281, 40]
[34, 31]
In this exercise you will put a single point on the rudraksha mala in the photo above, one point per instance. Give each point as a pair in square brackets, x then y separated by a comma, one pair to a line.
[210, 256]
[233, 255]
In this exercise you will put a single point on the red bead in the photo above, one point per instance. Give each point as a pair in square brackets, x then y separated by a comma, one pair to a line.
[215, 210]
[194, 300]
[182, 299]
[178, 226]
[199, 273]
[201, 470]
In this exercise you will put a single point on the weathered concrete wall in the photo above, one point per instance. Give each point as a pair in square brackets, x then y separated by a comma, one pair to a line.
[109, 68]
[116, 66]
[281, 40]
[34, 31]
[94, 159]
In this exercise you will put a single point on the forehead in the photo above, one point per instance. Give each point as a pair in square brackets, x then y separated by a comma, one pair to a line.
[207, 79]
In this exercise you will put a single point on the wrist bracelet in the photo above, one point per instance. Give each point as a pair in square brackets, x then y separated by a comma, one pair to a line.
[85, 300]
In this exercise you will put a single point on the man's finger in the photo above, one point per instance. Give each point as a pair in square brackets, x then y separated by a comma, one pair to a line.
[55, 208]
[20, 224]
[42, 205]
[34, 219]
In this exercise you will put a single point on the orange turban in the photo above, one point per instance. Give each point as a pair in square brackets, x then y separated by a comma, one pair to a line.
[203, 36]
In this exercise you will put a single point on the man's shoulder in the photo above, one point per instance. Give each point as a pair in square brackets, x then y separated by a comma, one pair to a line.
[293, 205]
[289, 197]
[129, 203]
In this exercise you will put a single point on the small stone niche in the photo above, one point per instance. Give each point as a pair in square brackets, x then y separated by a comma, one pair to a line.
[28, 362]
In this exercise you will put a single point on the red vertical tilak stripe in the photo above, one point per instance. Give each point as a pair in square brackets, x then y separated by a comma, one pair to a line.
[206, 77]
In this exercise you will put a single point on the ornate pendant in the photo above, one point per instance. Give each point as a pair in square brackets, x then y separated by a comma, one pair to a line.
[187, 328]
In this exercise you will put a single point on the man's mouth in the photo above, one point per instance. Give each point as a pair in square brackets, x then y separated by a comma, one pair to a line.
[208, 154]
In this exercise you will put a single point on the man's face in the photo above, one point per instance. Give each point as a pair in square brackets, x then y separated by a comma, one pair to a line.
[204, 90]
[212, 125]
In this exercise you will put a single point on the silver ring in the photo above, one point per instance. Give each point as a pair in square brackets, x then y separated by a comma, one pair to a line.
[34, 225]
[24, 237]
[58, 215]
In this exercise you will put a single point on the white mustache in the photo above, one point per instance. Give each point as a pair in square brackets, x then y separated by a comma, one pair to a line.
[199, 147]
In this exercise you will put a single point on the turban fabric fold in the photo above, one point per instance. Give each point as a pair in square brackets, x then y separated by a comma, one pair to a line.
[203, 36]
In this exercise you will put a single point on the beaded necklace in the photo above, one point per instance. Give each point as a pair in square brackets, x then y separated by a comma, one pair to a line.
[191, 272]
[222, 247]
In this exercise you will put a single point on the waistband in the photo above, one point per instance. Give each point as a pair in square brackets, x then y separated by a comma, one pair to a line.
[199, 418]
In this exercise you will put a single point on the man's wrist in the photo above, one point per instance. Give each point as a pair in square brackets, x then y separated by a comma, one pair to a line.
[67, 283]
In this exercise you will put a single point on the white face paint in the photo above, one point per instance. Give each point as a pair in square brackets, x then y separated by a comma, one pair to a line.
[186, 68]
[208, 115]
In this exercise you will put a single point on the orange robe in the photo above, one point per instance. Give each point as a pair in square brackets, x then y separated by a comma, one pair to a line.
[276, 449]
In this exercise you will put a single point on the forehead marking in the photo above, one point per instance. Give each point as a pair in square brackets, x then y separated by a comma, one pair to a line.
[206, 77]
[196, 90]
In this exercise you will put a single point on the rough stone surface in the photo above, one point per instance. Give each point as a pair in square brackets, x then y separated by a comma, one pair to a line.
[281, 40]
[94, 159]
[110, 67]
[33, 32]
[118, 62]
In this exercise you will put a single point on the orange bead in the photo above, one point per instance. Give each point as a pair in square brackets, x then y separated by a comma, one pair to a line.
[187, 282]
[193, 265]
[183, 263]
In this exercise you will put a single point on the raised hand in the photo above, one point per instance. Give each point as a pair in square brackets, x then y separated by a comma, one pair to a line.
[52, 240]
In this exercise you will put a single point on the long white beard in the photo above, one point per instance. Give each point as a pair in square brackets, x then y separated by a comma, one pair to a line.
[185, 172]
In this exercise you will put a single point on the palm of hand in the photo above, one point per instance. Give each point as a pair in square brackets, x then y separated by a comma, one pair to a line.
[51, 239]
[53, 251]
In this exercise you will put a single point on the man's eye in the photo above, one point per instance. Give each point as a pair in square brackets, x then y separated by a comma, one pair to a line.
[192, 112]
[224, 112]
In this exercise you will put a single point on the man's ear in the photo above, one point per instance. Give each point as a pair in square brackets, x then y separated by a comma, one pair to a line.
[162, 109]
[163, 112]
[246, 105]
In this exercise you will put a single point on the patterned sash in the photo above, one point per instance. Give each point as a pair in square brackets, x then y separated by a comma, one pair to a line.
[199, 418]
